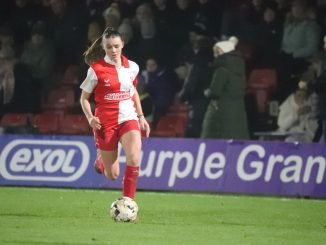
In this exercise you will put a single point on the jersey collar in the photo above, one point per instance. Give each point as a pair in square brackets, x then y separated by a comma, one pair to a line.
[125, 62]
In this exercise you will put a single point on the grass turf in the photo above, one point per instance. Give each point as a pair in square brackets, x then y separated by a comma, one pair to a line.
[68, 216]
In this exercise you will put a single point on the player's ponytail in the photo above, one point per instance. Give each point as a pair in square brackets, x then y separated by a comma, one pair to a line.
[95, 51]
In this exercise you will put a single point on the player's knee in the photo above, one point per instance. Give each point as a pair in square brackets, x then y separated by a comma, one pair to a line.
[133, 160]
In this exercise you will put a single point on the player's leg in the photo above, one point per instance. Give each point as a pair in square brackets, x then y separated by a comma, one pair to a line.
[107, 155]
[131, 143]
[98, 163]
[110, 163]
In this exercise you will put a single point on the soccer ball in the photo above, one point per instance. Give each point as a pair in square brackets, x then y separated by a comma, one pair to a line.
[124, 209]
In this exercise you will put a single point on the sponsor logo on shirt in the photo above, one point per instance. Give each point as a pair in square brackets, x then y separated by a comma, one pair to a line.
[118, 96]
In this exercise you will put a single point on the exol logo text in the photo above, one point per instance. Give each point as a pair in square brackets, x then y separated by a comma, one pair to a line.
[44, 160]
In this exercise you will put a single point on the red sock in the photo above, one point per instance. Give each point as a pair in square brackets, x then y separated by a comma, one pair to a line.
[130, 181]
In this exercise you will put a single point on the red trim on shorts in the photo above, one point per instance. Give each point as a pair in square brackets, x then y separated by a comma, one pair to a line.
[107, 139]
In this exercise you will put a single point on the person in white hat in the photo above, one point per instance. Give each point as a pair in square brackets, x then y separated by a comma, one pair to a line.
[226, 116]
[226, 46]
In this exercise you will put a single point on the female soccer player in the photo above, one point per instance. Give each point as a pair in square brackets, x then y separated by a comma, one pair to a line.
[118, 113]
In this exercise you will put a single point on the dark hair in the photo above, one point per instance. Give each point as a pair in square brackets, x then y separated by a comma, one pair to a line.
[95, 51]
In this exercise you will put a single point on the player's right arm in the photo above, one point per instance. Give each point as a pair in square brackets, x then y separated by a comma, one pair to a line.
[93, 121]
[87, 87]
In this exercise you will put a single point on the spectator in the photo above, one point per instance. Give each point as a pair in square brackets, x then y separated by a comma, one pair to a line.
[127, 34]
[256, 10]
[301, 33]
[197, 81]
[22, 18]
[7, 79]
[163, 14]
[241, 20]
[207, 17]
[69, 30]
[94, 30]
[128, 7]
[112, 16]
[268, 41]
[226, 117]
[34, 69]
[320, 88]
[297, 115]
[252, 15]
[143, 13]
[230, 19]
[39, 56]
[95, 8]
[145, 99]
[7, 40]
[300, 42]
[7, 59]
[187, 52]
[160, 85]
[149, 45]
[282, 9]
[183, 20]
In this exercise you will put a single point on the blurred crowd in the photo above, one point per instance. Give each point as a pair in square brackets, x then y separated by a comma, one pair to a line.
[198, 51]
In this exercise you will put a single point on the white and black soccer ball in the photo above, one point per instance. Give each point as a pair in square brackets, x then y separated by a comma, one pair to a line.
[124, 209]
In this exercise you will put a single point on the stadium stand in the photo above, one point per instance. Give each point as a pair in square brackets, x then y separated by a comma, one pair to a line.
[59, 99]
[12, 119]
[262, 83]
[171, 125]
[46, 123]
[12, 122]
[74, 124]
[70, 77]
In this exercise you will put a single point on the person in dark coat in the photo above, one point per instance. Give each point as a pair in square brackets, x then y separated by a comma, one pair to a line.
[226, 117]
[268, 42]
[320, 88]
[197, 81]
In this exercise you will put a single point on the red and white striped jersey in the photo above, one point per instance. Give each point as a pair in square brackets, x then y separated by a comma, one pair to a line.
[113, 90]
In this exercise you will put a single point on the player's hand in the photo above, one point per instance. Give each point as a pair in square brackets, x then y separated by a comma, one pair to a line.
[94, 122]
[144, 126]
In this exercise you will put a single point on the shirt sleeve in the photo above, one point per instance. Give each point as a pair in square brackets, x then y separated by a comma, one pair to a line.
[90, 81]
[135, 82]
[135, 70]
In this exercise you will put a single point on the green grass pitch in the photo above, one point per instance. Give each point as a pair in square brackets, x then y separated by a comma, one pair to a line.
[72, 216]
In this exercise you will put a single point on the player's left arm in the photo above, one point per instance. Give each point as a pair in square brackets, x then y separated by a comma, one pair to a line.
[142, 121]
